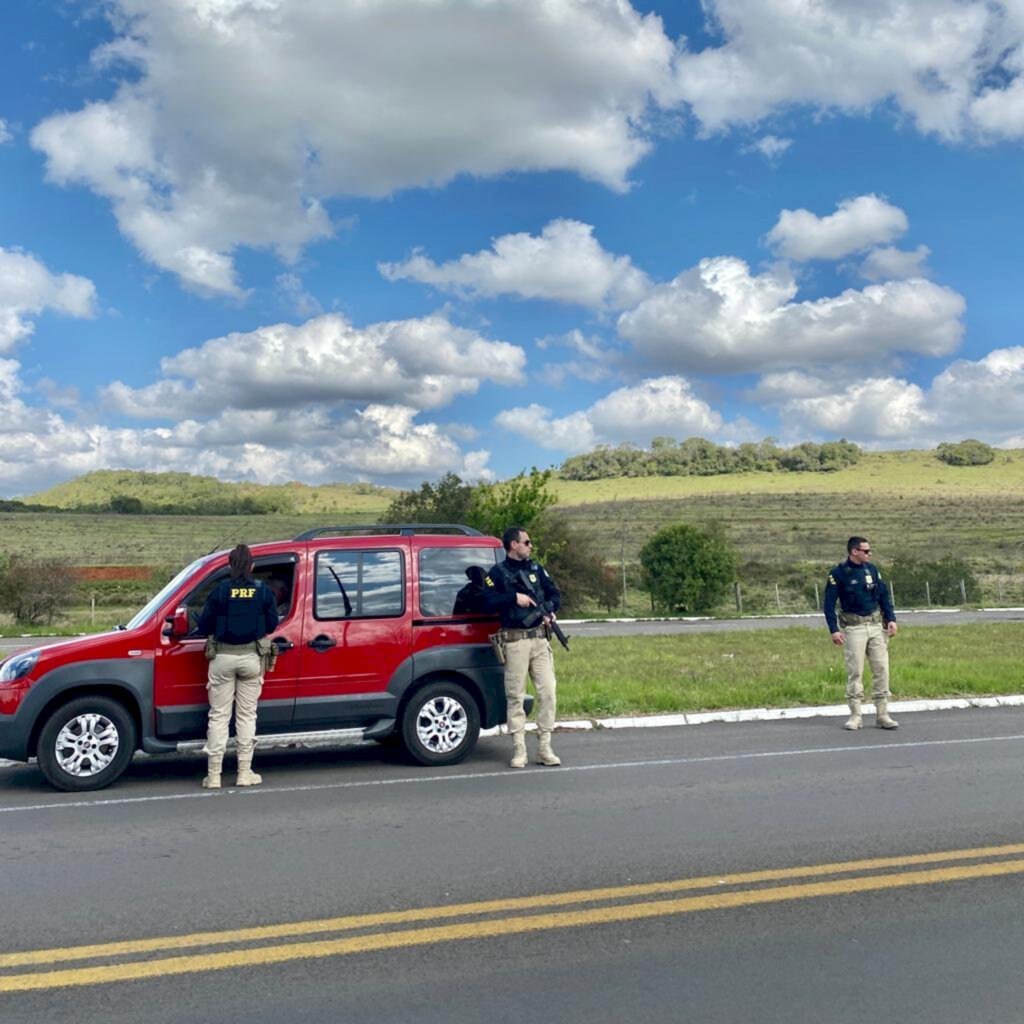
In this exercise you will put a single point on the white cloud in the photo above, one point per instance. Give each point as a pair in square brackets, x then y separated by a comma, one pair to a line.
[771, 147]
[590, 359]
[294, 293]
[856, 225]
[565, 263]
[657, 406]
[982, 398]
[933, 59]
[718, 317]
[233, 120]
[891, 264]
[422, 363]
[384, 443]
[5, 132]
[27, 289]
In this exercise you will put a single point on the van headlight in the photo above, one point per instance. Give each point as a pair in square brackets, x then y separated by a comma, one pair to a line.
[18, 666]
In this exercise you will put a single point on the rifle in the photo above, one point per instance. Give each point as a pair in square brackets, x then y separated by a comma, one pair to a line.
[543, 608]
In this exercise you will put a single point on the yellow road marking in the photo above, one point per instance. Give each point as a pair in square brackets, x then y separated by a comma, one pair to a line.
[265, 955]
[351, 922]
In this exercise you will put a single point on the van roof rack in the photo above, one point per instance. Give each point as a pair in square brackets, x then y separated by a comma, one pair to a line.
[404, 529]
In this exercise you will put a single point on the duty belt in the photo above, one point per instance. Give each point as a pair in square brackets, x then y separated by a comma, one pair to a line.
[851, 619]
[511, 635]
[236, 648]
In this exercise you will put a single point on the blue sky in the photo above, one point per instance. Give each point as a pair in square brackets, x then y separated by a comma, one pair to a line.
[330, 240]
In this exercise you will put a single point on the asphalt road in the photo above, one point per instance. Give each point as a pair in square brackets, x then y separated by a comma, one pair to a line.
[949, 617]
[628, 871]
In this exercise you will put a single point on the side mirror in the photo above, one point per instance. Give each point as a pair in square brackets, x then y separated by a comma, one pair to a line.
[177, 624]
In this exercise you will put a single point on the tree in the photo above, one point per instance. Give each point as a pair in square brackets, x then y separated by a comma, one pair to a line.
[686, 568]
[515, 502]
[576, 564]
[447, 501]
[970, 452]
[125, 505]
[35, 589]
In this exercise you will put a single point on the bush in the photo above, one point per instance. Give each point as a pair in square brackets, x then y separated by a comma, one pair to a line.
[515, 502]
[965, 453]
[687, 568]
[35, 589]
[908, 576]
[576, 565]
[447, 501]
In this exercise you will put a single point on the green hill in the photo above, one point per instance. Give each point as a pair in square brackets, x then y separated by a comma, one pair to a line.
[185, 493]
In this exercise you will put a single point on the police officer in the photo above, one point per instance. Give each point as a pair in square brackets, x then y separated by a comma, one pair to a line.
[238, 612]
[526, 599]
[868, 619]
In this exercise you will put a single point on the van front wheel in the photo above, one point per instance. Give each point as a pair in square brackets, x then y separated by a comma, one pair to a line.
[440, 724]
[86, 744]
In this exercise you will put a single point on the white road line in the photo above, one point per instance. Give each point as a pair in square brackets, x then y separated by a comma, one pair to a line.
[503, 774]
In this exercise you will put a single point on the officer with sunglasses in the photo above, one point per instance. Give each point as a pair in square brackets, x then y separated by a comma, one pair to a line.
[525, 597]
[862, 628]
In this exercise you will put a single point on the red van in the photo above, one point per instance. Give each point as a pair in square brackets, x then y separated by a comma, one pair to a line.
[370, 643]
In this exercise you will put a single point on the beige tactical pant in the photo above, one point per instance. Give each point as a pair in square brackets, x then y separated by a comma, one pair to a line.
[234, 679]
[868, 639]
[531, 658]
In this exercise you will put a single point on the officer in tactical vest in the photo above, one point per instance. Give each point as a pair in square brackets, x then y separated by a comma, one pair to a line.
[526, 599]
[239, 612]
[868, 619]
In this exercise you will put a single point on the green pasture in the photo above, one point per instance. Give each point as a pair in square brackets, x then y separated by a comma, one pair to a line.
[609, 676]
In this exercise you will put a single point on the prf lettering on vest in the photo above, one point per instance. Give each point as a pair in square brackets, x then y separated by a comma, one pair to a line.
[243, 591]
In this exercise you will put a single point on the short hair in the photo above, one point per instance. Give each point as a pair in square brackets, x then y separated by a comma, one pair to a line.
[855, 542]
[240, 562]
[511, 535]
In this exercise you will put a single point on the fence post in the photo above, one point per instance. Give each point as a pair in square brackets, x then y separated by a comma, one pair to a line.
[739, 597]
[778, 600]
[92, 609]
[963, 591]
[892, 592]
[622, 556]
[817, 597]
[928, 592]
[999, 590]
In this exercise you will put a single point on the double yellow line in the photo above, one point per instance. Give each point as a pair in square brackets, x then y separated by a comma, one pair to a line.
[134, 959]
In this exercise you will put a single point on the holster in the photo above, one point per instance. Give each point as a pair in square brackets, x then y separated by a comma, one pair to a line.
[210, 650]
[498, 643]
[268, 652]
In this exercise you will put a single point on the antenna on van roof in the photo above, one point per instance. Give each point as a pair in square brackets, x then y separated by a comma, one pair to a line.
[229, 537]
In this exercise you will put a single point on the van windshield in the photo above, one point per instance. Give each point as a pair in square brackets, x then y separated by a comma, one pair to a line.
[145, 614]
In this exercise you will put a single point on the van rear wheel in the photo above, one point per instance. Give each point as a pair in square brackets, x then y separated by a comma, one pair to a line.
[440, 724]
[86, 744]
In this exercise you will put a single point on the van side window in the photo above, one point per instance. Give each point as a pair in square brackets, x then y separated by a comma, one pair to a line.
[359, 585]
[443, 576]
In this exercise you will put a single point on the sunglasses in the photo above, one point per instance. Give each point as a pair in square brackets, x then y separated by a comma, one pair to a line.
[528, 543]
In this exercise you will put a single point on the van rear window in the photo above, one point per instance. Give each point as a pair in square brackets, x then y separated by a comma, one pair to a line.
[443, 578]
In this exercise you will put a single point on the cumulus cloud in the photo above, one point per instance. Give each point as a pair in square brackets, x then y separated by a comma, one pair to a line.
[890, 264]
[718, 317]
[423, 363]
[565, 263]
[28, 288]
[233, 120]
[856, 225]
[384, 443]
[589, 358]
[657, 406]
[983, 398]
[5, 132]
[934, 60]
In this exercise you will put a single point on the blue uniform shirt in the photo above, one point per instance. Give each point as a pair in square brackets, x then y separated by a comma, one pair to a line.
[513, 576]
[238, 612]
[860, 590]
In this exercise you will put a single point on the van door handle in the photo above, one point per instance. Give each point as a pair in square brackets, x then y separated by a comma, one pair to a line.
[282, 643]
[322, 642]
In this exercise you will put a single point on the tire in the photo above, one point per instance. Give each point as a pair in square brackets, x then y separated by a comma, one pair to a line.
[86, 744]
[440, 724]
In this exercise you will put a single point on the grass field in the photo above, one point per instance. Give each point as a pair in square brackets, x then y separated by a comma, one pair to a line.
[605, 676]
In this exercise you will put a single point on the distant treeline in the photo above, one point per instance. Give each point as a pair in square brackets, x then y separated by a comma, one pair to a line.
[126, 505]
[697, 456]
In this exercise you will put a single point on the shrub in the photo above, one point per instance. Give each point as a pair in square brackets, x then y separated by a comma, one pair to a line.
[35, 589]
[965, 453]
[687, 568]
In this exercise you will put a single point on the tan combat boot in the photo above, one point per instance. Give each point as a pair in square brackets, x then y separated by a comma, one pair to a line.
[882, 719]
[518, 751]
[213, 767]
[246, 776]
[854, 721]
[545, 755]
